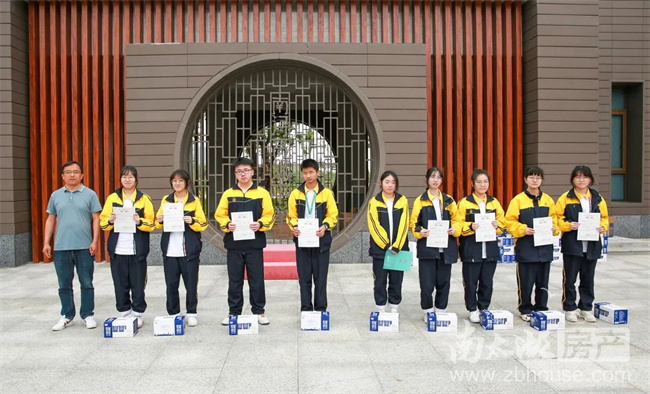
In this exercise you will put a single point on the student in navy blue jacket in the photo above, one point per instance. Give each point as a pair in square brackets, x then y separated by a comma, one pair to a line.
[388, 217]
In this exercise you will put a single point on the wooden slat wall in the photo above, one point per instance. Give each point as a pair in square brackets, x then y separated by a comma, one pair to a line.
[77, 47]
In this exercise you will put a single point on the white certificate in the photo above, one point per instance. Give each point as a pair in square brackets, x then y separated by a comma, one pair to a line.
[485, 231]
[124, 222]
[173, 217]
[543, 231]
[438, 237]
[242, 221]
[308, 237]
[589, 222]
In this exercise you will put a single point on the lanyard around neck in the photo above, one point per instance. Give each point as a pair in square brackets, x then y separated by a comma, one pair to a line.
[310, 205]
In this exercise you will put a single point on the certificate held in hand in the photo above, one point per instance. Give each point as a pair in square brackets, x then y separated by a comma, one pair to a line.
[173, 218]
[438, 237]
[543, 231]
[242, 221]
[589, 222]
[308, 237]
[485, 231]
[124, 222]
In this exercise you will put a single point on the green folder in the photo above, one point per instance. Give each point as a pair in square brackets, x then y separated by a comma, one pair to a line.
[398, 262]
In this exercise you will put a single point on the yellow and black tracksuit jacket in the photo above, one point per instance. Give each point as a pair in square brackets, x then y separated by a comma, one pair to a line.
[423, 211]
[257, 200]
[470, 250]
[378, 225]
[567, 208]
[192, 242]
[144, 208]
[523, 208]
[327, 212]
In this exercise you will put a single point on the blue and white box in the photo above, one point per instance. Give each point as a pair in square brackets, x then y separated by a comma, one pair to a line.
[603, 253]
[557, 249]
[610, 313]
[120, 327]
[547, 321]
[243, 325]
[384, 322]
[315, 321]
[506, 248]
[496, 320]
[442, 322]
[169, 325]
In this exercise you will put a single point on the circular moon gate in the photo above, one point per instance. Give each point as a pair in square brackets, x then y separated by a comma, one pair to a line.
[278, 116]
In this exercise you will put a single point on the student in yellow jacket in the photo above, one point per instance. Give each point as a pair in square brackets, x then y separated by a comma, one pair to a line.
[388, 221]
[479, 258]
[181, 250]
[311, 200]
[435, 263]
[579, 256]
[245, 196]
[533, 262]
[129, 251]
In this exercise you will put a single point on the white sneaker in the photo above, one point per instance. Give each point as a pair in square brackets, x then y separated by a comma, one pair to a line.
[525, 317]
[192, 321]
[588, 316]
[61, 324]
[262, 319]
[475, 316]
[439, 310]
[90, 322]
[380, 308]
[394, 308]
[225, 321]
[140, 321]
[571, 316]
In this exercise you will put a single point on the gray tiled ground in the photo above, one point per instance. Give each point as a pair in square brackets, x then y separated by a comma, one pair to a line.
[594, 357]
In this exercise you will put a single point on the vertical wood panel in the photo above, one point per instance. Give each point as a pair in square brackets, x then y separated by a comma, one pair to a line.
[244, 27]
[137, 9]
[278, 20]
[406, 23]
[353, 21]
[458, 90]
[332, 15]
[519, 101]
[342, 19]
[427, 29]
[65, 90]
[310, 21]
[212, 17]
[448, 115]
[478, 91]
[299, 23]
[417, 21]
[168, 20]
[116, 90]
[189, 36]
[53, 89]
[384, 21]
[438, 139]
[180, 23]
[374, 20]
[256, 21]
[75, 108]
[148, 20]
[396, 30]
[158, 21]
[37, 212]
[321, 21]
[200, 20]
[468, 159]
[233, 22]
[489, 92]
[267, 21]
[509, 164]
[288, 16]
[497, 174]
[364, 21]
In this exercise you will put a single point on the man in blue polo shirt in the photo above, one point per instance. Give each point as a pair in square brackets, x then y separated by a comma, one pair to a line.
[73, 208]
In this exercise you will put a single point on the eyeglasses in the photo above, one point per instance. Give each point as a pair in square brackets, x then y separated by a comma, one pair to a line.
[128, 178]
[243, 171]
[75, 172]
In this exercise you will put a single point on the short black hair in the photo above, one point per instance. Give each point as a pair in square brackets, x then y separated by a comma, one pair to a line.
[309, 163]
[183, 174]
[584, 170]
[388, 173]
[477, 172]
[126, 170]
[431, 171]
[534, 170]
[243, 161]
[71, 163]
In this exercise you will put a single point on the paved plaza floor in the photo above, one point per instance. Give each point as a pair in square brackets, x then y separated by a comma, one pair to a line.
[348, 359]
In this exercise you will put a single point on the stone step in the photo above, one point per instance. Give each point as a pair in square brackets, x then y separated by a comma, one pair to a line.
[622, 245]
